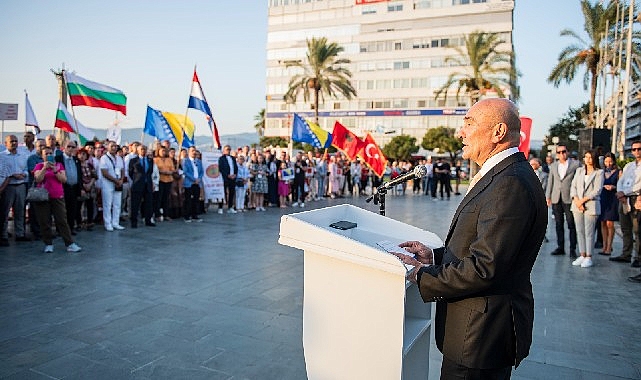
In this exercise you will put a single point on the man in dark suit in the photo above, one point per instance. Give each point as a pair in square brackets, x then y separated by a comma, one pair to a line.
[557, 193]
[142, 188]
[229, 169]
[72, 186]
[480, 279]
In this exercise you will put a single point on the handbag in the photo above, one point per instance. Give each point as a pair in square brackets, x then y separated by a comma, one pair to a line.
[37, 194]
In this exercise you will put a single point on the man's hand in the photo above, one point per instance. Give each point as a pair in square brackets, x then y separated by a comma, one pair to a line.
[549, 202]
[423, 254]
[620, 196]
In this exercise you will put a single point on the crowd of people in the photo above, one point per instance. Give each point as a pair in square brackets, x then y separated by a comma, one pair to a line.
[102, 183]
[590, 197]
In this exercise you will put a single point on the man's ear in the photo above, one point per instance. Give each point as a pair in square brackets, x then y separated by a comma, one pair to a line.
[499, 132]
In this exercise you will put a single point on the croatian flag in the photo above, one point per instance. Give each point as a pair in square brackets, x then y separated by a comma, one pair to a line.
[198, 101]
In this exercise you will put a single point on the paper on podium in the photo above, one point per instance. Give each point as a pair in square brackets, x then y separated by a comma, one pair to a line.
[390, 247]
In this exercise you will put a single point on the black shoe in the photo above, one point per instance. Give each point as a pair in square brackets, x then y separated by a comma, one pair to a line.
[620, 259]
[74, 233]
[573, 254]
[636, 278]
[558, 252]
[150, 224]
[22, 238]
[604, 253]
[636, 263]
[4, 242]
[598, 245]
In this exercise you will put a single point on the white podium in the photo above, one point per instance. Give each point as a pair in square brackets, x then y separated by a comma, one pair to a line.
[361, 319]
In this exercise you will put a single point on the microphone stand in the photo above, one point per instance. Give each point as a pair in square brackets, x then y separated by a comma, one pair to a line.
[379, 199]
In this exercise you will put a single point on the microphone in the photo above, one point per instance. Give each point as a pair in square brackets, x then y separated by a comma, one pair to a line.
[419, 171]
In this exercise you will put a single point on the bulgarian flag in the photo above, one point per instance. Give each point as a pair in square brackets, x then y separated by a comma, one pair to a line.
[64, 120]
[84, 92]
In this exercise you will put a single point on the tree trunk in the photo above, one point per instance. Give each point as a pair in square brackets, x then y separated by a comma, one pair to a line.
[593, 85]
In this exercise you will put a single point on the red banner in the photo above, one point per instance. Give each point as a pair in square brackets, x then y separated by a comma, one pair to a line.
[526, 128]
[373, 156]
[346, 141]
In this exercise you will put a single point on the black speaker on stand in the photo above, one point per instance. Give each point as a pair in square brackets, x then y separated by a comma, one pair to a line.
[598, 139]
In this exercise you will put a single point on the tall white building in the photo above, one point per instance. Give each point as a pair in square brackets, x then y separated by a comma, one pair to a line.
[397, 50]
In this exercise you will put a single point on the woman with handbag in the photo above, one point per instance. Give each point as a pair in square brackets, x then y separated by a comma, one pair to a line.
[50, 175]
[87, 190]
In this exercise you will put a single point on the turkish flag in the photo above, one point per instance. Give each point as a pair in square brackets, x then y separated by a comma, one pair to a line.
[346, 141]
[526, 128]
[373, 156]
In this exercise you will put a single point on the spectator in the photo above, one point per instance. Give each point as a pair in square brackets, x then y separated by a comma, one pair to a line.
[193, 175]
[298, 189]
[15, 193]
[334, 177]
[167, 171]
[356, 170]
[51, 175]
[321, 176]
[87, 190]
[609, 203]
[260, 185]
[558, 196]
[32, 161]
[140, 171]
[628, 187]
[283, 185]
[72, 185]
[586, 206]
[272, 179]
[112, 168]
[242, 178]
[229, 169]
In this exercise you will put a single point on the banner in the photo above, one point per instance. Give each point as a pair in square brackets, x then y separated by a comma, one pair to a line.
[526, 129]
[214, 186]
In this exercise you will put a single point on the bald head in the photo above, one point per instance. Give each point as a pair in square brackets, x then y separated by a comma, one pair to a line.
[499, 110]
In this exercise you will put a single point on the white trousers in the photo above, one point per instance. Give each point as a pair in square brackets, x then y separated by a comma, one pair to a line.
[240, 197]
[111, 201]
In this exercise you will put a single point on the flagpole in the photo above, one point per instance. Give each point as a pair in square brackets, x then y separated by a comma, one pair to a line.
[73, 113]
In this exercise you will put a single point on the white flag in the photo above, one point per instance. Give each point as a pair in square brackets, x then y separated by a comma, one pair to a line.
[30, 116]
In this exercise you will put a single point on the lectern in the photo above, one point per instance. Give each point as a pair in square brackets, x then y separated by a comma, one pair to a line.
[361, 318]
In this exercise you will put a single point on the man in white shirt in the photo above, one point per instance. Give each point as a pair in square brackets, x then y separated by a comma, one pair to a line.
[112, 168]
[15, 193]
[628, 187]
[558, 197]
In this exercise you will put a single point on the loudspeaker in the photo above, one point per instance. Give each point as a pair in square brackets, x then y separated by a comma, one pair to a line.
[594, 138]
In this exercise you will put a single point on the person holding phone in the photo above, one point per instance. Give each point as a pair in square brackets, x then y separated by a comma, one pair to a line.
[51, 175]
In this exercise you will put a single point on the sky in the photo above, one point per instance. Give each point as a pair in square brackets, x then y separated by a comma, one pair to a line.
[148, 50]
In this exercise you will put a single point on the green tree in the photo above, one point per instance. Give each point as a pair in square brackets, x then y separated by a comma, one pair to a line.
[260, 123]
[324, 74]
[585, 53]
[442, 139]
[400, 148]
[489, 68]
[266, 141]
[567, 128]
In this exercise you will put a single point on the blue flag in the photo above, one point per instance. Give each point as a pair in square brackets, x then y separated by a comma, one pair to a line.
[310, 133]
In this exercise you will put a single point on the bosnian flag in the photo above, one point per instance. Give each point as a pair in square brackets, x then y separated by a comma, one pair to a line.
[198, 101]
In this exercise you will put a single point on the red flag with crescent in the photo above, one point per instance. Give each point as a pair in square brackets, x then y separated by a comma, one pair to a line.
[346, 141]
[526, 128]
[373, 155]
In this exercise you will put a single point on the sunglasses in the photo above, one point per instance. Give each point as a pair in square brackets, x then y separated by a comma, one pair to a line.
[561, 151]
[635, 149]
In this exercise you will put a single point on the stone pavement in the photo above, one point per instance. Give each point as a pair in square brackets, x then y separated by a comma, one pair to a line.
[223, 300]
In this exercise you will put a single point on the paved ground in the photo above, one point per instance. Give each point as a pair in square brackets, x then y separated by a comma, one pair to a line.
[223, 300]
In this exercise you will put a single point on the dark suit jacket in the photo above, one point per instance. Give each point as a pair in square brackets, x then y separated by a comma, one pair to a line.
[223, 166]
[481, 278]
[141, 179]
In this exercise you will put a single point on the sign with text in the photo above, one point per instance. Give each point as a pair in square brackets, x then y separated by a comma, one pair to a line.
[8, 111]
[213, 180]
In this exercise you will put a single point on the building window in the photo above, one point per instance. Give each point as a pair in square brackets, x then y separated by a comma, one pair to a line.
[400, 103]
[398, 46]
[395, 7]
[434, 43]
[424, 4]
[401, 65]
[421, 104]
[337, 105]
[368, 10]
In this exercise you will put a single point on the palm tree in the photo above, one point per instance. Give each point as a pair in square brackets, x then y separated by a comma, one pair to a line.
[585, 53]
[260, 123]
[323, 73]
[491, 68]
